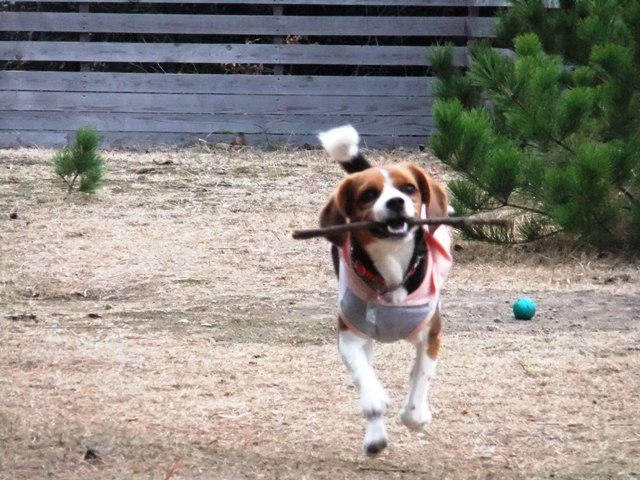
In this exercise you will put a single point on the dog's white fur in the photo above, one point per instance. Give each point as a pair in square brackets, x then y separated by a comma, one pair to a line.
[341, 143]
[392, 257]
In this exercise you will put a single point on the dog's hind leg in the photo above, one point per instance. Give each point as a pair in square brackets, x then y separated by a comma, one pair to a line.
[356, 353]
[415, 413]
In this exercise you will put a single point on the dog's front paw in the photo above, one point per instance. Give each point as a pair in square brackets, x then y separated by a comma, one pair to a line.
[375, 438]
[415, 417]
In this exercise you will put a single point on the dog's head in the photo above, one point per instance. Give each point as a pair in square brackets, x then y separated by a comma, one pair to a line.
[390, 195]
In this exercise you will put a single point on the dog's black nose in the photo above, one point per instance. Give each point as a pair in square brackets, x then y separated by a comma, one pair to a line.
[395, 204]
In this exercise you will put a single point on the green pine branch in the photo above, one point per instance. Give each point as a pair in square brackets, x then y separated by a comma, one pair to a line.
[555, 137]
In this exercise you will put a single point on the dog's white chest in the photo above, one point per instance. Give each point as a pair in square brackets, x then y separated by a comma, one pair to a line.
[391, 259]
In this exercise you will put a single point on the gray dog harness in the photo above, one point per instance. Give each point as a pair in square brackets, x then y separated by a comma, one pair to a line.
[384, 323]
[367, 314]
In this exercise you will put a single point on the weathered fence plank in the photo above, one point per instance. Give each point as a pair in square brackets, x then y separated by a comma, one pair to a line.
[215, 53]
[381, 3]
[245, 24]
[218, 104]
[144, 139]
[210, 84]
[214, 122]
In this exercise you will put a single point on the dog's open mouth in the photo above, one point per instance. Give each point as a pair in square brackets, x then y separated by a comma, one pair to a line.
[392, 228]
[398, 227]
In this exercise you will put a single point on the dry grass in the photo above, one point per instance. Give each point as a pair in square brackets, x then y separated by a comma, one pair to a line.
[170, 324]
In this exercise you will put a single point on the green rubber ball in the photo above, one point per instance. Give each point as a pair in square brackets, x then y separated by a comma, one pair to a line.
[524, 308]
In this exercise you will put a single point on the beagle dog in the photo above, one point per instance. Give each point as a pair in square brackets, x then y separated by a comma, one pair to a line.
[389, 276]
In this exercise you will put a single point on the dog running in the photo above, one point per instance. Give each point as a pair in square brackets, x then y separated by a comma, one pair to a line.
[389, 276]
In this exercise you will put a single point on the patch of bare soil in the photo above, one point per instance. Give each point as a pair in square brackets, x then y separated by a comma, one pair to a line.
[169, 328]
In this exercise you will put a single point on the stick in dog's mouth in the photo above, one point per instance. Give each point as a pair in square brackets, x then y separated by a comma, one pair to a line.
[455, 222]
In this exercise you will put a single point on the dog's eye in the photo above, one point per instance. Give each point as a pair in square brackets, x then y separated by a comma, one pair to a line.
[408, 188]
[369, 195]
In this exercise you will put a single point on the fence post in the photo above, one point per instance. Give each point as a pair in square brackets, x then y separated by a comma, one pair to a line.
[472, 11]
[278, 69]
[84, 37]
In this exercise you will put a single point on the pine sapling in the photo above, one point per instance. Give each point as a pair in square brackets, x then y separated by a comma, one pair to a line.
[81, 160]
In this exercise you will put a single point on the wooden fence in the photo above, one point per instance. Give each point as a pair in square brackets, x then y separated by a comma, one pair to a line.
[278, 71]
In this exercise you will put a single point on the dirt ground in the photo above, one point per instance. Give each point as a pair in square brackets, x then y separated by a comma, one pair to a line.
[168, 327]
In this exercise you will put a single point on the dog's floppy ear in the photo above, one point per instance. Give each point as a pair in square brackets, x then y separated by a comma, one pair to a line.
[438, 205]
[433, 194]
[336, 211]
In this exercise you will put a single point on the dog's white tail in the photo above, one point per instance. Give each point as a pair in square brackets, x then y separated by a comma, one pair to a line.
[341, 143]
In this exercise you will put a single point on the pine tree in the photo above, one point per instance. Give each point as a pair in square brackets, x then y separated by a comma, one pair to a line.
[550, 134]
[81, 160]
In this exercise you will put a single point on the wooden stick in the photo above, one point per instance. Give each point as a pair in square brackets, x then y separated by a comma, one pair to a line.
[455, 222]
